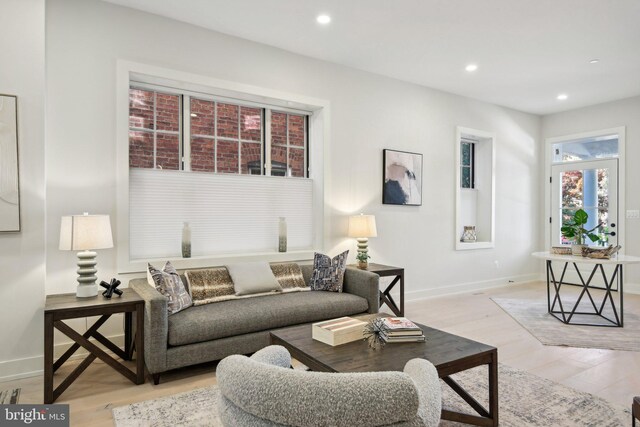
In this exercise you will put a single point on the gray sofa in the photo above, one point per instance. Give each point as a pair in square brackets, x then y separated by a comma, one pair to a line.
[263, 391]
[214, 331]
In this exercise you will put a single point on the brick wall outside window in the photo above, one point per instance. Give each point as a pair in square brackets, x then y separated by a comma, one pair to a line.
[154, 130]
[225, 137]
[227, 134]
[287, 144]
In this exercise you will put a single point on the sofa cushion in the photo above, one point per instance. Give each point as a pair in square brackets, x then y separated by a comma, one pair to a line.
[229, 318]
[169, 283]
[289, 275]
[253, 278]
[328, 273]
[209, 285]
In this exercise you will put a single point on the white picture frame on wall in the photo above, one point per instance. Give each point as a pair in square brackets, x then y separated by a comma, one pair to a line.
[9, 174]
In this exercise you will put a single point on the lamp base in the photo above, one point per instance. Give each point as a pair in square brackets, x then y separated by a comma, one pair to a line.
[363, 252]
[87, 279]
[87, 291]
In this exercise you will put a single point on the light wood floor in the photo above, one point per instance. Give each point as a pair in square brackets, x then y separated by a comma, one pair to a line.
[610, 374]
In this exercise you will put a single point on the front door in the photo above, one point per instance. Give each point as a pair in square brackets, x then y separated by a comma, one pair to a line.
[591, 186]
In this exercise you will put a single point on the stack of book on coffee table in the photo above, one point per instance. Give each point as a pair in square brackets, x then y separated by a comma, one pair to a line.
[401, 329]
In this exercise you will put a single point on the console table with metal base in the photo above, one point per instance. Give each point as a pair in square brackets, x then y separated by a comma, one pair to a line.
[612, 283]
[385, 296]
[68, 306]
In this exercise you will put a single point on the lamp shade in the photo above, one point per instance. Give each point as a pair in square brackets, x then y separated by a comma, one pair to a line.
[85, 232]
[362, 226]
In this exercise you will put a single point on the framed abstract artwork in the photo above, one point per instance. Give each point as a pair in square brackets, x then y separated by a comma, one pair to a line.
[401, 178]
[9, 184]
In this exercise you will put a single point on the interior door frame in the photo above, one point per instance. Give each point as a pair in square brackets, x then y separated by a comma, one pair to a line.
[548, 156]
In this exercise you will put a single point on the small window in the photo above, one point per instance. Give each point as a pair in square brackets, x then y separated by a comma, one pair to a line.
[467, 160]
[154, 130]
[288, 144]
[226, 138]
[596, 148]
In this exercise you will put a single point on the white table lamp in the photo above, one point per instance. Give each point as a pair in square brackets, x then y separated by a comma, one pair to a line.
[85, 233]
[362, 227]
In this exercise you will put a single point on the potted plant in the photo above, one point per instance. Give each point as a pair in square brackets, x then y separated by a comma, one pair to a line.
[574, 229]
[363, 260]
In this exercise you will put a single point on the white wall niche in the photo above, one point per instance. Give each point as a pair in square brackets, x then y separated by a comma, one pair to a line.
[476, 206]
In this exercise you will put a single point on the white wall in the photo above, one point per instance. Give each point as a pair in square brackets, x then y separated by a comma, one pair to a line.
[369, 113]
[626, 113]
[22, 254]
[85, 38]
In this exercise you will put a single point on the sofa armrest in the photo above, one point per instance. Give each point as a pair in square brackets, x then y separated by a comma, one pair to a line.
[156, 325]
[425, 377]
[275, 355]
[364, 284]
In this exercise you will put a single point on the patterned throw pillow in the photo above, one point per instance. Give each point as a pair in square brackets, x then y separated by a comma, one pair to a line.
[289, 275]
[168, 282]
[209, 285]
[328, 273]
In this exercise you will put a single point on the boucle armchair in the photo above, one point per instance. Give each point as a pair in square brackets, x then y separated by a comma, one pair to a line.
[263, 391]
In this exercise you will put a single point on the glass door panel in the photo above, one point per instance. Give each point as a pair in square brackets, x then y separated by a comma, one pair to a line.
[593, 187]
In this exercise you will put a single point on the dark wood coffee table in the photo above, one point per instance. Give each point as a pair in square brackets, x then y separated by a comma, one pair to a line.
[449, 354]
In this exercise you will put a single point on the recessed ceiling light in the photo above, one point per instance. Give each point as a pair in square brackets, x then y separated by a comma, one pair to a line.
[594, 61]
[562, 97]
[323, 19]
[471, 68]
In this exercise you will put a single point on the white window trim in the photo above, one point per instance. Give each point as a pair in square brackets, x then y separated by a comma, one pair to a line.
[548, 161]
[461, 246]
[318, 169]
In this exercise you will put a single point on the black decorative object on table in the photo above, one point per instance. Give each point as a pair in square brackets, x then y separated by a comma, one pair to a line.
[111, 288]
[372, 333]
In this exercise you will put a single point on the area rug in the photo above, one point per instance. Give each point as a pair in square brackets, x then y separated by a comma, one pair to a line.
[9, 397]
[533, 316]
[524, 400]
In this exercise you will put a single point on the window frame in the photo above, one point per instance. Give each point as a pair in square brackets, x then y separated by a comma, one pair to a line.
[318, 169]
[185, 135]
[154, 131]
[471, 165]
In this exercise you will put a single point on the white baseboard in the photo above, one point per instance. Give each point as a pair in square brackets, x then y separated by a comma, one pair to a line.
[632, 288]
[21, 368]
[472, 286]
[33, 366]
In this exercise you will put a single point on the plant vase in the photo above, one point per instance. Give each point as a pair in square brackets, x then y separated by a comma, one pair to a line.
[363, 265]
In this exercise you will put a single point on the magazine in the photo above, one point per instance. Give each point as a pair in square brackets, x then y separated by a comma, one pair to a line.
[397, 324]
[398, 339]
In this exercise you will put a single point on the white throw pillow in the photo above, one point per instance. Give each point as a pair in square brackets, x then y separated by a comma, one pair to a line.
[252, 278]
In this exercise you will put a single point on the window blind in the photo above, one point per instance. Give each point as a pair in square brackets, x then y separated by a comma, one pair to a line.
[227, 214]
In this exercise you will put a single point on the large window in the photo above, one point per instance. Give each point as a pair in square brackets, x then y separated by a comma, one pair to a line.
[220, 136]
[211, 160]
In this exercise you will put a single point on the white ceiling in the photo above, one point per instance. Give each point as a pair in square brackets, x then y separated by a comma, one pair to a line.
[528, 51]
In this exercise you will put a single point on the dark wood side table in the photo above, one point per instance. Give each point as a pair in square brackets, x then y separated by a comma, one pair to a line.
[67, 306]
[385, 296]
